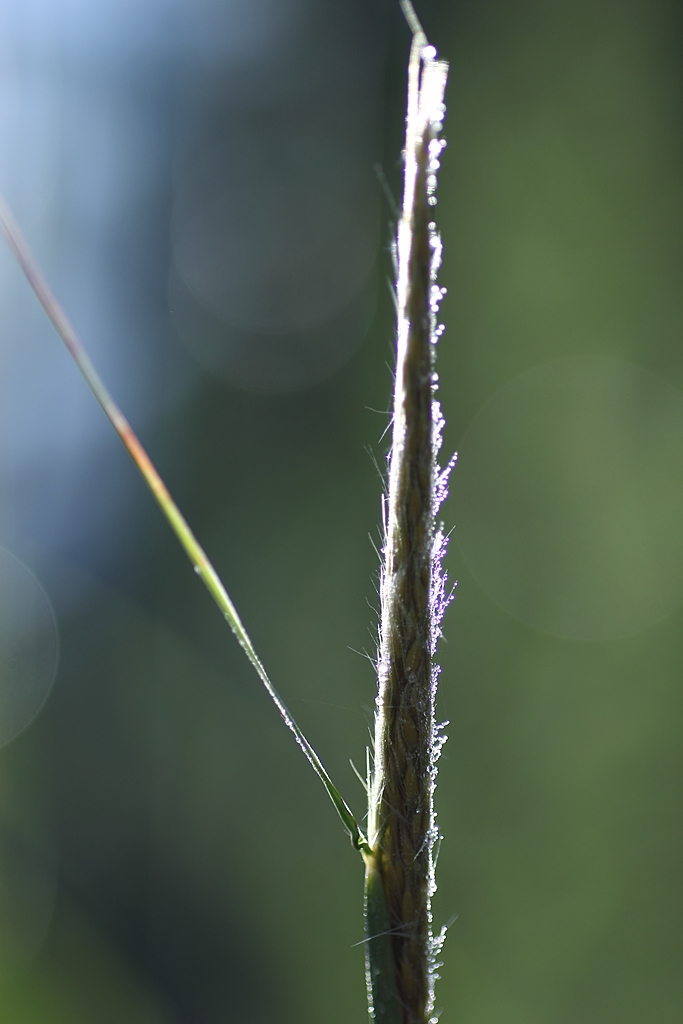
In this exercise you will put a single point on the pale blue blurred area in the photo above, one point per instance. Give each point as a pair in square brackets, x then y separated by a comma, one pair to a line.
[114, 116]
[85, 144]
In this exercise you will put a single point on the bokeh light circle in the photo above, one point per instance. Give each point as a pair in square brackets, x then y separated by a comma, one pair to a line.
[29, 646]
[27, 899]
[569, 497]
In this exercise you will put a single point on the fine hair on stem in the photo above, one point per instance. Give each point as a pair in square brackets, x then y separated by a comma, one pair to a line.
[402, 831]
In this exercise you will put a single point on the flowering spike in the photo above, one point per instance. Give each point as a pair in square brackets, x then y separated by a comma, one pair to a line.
[402, 826]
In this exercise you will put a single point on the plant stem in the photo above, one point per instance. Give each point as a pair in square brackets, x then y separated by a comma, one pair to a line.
[402, 829]
[177, 521]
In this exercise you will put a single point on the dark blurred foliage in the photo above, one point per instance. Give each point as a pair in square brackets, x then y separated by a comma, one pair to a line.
[197, 180]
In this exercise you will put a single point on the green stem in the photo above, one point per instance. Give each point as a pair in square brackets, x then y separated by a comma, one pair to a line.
[176, 519]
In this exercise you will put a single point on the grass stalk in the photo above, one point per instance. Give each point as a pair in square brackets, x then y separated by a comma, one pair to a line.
[402, 828]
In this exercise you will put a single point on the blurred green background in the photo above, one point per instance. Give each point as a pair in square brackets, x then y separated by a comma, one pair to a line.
[166, 855]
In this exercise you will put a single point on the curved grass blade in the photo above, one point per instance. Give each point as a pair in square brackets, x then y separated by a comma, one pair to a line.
[177, 521]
